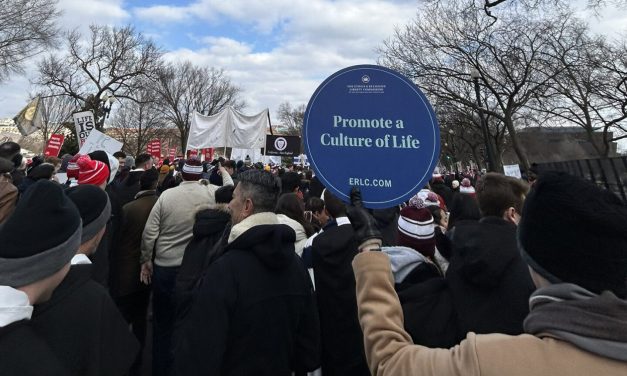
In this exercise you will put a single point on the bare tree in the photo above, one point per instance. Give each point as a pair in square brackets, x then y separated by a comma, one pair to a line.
[107, 64]
[27, 28]
[184, 88]
[441, 47]
[138, 122]
[55, 112]
[591, 89]
[292, 118]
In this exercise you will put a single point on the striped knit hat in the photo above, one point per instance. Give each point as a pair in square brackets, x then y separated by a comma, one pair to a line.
[192, 169]
[416, 228]
[91, 172]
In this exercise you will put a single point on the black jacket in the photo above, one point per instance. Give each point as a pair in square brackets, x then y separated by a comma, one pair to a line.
[24, 353]
[255, 313]
[84, 328]
[208, 230]
[342, 340]
[486, 288]
[129, 187]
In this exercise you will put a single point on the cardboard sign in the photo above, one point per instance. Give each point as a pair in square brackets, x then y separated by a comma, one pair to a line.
[284, 146]
[512, 170]
[54, 145]
[100, 141]
[85, 123]
[370, 127]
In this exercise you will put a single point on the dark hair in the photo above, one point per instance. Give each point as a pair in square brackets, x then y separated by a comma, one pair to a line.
[41, 171]
[228, 164]
[261, 187]
[142, 159]
[9, 149]
[496, 193]
[464, 207]
[52, 160]
[334, 205]
[224, 194]
[149, 179]
[314, 204]
[436, 213]
[291, 206]
[119, 154]
[166, 162]
[308, 174]
[289, 182]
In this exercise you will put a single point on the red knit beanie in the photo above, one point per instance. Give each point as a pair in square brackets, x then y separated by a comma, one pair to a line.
[416, 228]
[192, 170]
[91, 172]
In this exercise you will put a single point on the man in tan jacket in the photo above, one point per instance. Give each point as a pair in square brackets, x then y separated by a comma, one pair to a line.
[573, 236]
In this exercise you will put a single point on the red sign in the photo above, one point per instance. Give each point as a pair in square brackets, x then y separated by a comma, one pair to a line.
[208, 154]
[192, 153]
[172, 154]
[154, 148]
[54, 145]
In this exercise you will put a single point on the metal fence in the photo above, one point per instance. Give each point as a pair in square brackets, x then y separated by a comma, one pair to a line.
[610, 173]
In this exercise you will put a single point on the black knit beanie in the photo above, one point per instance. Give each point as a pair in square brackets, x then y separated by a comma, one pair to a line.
[573, 231]
[94, 208]
[40, 237]
[224, 195]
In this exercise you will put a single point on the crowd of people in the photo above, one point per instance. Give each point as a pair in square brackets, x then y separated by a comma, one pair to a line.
[249, 269]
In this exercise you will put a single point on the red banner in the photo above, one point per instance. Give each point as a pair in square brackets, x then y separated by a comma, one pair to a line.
[154, 148]
[208, 154]
[54, 145]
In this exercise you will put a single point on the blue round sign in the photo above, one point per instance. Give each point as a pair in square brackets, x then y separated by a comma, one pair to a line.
[371, 127]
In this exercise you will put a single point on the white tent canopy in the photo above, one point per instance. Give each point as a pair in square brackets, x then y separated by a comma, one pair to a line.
[228, 128]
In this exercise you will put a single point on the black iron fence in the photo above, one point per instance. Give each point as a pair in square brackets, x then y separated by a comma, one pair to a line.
[610, 173]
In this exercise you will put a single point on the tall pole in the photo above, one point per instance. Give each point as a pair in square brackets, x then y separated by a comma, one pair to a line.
[484, 125]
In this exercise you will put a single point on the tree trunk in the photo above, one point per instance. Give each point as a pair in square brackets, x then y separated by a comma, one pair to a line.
[522, 156]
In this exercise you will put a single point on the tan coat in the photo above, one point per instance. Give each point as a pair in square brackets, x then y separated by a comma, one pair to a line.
[390, 351]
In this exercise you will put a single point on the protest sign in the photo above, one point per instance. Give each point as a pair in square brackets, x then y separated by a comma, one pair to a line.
[54, 145]
[284, 146]
[172, 154]
[100, 141]
[84, 122]
[154, 148]
[370, 127]
[208, 152]
[512, 170]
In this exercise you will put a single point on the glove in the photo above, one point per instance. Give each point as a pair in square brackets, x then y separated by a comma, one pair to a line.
[366, 232]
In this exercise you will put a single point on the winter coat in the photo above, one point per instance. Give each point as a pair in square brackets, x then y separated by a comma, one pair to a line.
[125, 266]
[486, 288]
[26, 353]
[84, 327]
[342, 344]
[387, 223]
[391, 351]
[208, 230]
[301, 236]
[170, 224]
[8, 197]
[255, 313]
[101, 258]
[127, 189]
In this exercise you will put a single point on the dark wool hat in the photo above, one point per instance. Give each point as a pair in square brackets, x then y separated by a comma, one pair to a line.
[40, 237]
[42, 171]
[94, 207]
[5, 165]
[9, 149]
[224, 195]
[573, 231]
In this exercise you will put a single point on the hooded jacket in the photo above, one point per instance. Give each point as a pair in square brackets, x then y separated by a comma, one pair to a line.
[208, 229]
[255, 313]
[301, 236]
[410, 267]
[486, 288]
[556, 350]
[342, 343]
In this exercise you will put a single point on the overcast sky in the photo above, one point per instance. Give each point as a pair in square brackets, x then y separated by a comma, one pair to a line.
[276, 50]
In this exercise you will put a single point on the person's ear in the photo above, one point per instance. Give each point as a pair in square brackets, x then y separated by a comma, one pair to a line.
[511, 215]
[248, 207]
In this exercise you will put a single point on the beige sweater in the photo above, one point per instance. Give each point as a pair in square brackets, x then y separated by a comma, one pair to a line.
[390, 351]
[171, 221]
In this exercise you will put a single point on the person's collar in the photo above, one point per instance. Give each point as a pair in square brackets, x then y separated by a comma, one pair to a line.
[14, 306]
[265, 218]
[189, 182]
[148, 192]
[138, 169]
[80, 259]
